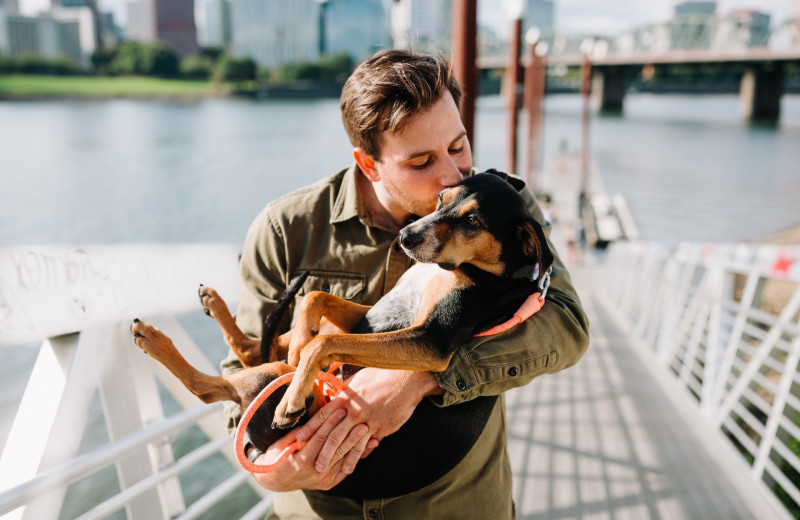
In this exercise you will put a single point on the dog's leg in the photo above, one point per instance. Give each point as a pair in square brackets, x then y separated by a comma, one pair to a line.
[404, 349]
[241, 387]
[248, 350]
[316, 305]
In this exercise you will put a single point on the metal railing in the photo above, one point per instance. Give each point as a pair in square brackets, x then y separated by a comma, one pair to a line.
[81, 300]
[723, 320]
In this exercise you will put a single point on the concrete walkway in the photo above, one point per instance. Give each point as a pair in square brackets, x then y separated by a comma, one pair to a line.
[613, 437]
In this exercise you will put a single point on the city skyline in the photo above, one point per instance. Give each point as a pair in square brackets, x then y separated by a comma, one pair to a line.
[571, 16]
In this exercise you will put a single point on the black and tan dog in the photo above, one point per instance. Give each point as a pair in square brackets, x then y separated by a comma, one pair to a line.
[467, 252]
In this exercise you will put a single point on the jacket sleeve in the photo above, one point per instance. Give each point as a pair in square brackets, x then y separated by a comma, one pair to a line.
[262, 279]
[551, 340]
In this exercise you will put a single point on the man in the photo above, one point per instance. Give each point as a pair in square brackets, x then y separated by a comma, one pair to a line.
[400, 111]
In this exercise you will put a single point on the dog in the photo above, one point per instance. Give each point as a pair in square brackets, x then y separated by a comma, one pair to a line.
[466, 252]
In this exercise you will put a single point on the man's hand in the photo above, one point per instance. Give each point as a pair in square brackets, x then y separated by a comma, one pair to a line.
[378, 402]
[298, 471]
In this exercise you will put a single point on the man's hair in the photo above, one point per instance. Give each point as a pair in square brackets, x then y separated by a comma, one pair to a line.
[387, 89]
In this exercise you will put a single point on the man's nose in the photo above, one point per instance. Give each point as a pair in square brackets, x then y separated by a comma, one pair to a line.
[450, 175]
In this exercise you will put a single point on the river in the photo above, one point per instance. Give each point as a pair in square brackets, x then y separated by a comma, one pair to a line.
[82, 172]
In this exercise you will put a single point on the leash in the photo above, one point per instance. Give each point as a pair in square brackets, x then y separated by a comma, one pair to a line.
[328, 384]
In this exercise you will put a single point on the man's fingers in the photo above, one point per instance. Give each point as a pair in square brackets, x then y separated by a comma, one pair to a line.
[371, 445]
[339, 443]
[328, 422]
[355, 454]
[309, 429]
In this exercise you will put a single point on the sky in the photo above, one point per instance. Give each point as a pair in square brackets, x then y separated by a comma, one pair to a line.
[606, 17]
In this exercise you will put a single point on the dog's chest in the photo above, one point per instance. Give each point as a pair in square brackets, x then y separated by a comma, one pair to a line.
[399, 307]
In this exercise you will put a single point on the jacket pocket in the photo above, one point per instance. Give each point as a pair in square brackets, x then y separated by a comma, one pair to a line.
[343, 284]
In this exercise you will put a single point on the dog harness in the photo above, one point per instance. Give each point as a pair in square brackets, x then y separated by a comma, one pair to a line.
[330, 386]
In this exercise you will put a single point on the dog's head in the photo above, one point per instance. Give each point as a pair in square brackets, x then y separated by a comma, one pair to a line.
[483, 221]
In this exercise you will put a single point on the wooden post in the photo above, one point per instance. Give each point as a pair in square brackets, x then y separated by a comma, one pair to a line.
[586, 91]
[511, 83]
[463, 41]
[534, 95]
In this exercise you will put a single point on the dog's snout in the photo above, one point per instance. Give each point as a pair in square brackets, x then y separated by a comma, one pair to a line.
[410, 239]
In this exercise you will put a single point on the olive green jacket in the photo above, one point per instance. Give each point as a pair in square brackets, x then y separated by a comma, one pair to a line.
[326, 228]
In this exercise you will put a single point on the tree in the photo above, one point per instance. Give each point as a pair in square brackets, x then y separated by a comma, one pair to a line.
[235, 69]
[159, 59]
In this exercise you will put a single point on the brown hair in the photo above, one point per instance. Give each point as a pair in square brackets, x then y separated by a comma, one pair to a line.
[387, 89]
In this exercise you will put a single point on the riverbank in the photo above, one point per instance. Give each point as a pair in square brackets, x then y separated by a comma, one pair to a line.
[19, 86]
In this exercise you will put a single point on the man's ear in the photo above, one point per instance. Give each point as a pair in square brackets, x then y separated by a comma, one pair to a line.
[366, 163]
[534, 243]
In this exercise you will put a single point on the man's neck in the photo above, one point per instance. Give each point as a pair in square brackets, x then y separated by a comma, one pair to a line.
[381, 216]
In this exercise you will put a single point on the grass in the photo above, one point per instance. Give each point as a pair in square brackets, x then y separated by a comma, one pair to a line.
[32, 86]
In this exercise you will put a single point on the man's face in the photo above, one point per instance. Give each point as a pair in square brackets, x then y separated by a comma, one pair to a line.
[430, 154]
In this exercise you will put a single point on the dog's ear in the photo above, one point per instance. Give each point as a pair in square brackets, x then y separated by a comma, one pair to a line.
[534, 243]
[513, 180]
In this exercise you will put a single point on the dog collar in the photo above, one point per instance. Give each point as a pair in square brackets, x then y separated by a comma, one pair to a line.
[529, 307]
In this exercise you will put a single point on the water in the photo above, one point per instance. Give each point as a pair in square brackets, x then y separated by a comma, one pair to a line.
[122, 171]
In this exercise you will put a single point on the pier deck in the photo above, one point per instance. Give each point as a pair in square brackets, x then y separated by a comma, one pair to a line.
[614, 437]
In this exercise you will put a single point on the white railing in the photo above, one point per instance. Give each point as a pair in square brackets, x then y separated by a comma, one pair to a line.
[723, 320]
[80, 301]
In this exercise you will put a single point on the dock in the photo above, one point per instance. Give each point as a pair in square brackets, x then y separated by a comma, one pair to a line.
[684, 407]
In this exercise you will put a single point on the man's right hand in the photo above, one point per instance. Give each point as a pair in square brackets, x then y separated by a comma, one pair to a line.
[299, 471]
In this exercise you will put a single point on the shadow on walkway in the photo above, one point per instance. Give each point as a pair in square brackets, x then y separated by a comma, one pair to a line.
[604, 440]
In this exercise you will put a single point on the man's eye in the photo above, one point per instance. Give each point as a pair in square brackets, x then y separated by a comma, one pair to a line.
[423, 165]
[456, 150]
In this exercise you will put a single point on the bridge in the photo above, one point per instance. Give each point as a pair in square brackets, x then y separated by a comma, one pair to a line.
[685, 406]
[614, 62]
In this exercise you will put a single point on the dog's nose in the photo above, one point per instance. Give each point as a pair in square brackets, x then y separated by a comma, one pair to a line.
[409, 239]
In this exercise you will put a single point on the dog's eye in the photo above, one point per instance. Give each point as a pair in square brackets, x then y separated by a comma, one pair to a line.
[473, 221]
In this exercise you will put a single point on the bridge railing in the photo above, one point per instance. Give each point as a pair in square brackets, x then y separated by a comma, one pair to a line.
[723, 321]
[167, 455]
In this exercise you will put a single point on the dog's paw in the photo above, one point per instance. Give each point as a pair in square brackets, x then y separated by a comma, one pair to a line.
[287, 417]
[150, 340]
[213, 304]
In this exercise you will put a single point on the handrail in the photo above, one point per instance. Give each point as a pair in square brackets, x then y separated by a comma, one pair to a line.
[78, 302]
[724, 321]
[87, 464]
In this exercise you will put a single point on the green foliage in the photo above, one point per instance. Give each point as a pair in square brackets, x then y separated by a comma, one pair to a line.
[34, 63]
[212, 54]
[329, 70]
[159, 59]
[235, 70]
[127, 59]
[196, 67]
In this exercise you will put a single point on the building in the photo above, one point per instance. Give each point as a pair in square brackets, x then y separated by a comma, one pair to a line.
[355, 27]
[216, 29]
[60, 32]
[422, 25]
[276, 32]
[169, 21]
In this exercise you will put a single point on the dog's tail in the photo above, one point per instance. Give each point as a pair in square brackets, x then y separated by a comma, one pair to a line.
[275, 317]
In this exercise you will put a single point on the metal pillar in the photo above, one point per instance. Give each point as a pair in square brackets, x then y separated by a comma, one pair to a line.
[586, 92]
[465, 28]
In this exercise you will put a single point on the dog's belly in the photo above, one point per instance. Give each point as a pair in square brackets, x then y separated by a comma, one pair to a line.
[398, 308]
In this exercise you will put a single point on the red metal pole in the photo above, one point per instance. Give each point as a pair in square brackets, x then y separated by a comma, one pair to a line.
[534, 95]
[586, 91]
[463, 41]
[512, 81]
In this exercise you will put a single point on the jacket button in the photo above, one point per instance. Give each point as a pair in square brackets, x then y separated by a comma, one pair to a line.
[461, 385]
[373, 513]
[326, 288]
[512, 371]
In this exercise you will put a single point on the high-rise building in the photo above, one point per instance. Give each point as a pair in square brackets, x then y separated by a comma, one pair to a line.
[67, 32]
[276, 32]
[422, 25]
[217, 27]
[170, 21]
[10, 5]
[355, 27]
